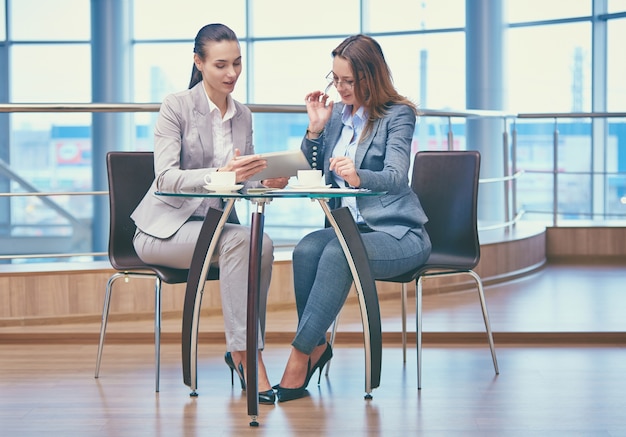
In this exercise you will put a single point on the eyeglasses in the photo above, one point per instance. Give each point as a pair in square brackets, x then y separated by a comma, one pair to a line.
[332, 79]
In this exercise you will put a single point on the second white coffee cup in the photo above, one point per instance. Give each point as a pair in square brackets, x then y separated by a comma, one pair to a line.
[221, 178]
[310, 178]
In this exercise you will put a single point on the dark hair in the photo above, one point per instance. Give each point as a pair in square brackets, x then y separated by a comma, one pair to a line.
[373, 81]
[210, 33]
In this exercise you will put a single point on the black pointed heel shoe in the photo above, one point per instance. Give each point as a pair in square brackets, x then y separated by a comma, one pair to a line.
[326, 356]
[288, 394]
[230, 363]
[267, 397]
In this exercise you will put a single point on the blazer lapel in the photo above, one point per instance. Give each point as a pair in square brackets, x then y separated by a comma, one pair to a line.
[239, 133]
[203, 123]
[365, 144]
[333, 132]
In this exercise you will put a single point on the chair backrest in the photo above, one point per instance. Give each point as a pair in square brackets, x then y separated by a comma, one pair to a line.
[130, 175]
[446, 183]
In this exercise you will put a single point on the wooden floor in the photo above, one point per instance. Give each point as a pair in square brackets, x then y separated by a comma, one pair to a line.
[560, 339]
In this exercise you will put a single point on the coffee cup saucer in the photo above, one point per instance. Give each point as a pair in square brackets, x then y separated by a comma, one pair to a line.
[308, 187]
[222, 188]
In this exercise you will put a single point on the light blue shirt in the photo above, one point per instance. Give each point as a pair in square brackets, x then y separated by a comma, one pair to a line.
[346, 146]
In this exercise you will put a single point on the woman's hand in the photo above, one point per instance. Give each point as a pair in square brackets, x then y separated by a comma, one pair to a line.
[244, 166]
[343, 166]
[318, 108]
[275, 182]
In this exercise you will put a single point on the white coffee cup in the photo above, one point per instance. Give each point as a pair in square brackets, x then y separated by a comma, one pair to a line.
[310, 178]
[221, 178]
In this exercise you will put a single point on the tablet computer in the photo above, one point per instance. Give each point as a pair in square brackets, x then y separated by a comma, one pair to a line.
[282, 164]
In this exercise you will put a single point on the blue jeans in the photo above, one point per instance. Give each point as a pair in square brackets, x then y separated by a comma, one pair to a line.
[322, 277]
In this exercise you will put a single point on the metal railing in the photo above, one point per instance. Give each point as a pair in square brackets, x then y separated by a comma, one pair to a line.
[555, 171]
[510, 171]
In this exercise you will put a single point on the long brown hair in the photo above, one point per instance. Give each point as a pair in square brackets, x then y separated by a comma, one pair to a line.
[210, 33]
[373, 84]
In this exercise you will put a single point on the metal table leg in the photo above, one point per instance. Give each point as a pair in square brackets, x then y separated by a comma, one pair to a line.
[209, 234]
[252, 330]
[350, 239]
[205, 246]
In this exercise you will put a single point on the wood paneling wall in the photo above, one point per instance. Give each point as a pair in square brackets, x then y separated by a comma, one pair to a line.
[74, 293]
[568, 242]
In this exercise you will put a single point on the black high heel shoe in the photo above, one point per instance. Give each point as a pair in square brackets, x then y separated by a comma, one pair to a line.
[288, 394]
[267, 397]
[230, 363]
[326, 356]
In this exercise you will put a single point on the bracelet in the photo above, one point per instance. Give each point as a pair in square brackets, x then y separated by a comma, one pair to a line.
[308, 131]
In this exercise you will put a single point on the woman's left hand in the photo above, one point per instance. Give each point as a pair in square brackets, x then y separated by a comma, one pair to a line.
[343, 166]
[275, 182]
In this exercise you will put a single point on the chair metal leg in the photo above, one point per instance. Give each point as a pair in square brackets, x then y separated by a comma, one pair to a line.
[333, 334]
[483, 305]
[157, 318]
[418, 322]
[331, 341]
[157, 331]
[105, 318]
[403, 299]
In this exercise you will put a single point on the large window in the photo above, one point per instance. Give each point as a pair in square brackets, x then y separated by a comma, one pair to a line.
[286, 18]
[410, 15]
[49, 61]
[428, 68]
[616, 66]
[162, 20]
[519, 11]
[3, 28]
[549, 68]
[40, 20]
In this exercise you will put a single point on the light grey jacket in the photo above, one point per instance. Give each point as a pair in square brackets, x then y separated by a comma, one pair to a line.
[183, 154]
[382, 160]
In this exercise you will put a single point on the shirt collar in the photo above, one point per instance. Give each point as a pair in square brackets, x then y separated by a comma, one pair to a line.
[230, 112]
[356, 120]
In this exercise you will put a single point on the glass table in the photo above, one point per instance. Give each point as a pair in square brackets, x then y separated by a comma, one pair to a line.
[350, 239]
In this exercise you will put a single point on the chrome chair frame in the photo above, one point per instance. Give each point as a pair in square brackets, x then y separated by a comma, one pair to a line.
[130, 175]
[446, 183]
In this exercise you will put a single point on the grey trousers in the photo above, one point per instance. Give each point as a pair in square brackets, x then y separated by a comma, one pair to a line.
[231, 256]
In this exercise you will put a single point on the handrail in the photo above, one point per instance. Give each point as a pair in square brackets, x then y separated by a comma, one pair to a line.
[154, 107]
[55, 193]
[573, 115]
[517, 175]
[55, 255]
[124, 107]
[507, 224]
[4, 168]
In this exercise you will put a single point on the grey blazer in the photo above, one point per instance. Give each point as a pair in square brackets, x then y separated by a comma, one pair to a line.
[183, 154]
[382, 161]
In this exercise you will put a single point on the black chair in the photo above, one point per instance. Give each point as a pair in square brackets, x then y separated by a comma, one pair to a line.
[130, 175]
[446, 183]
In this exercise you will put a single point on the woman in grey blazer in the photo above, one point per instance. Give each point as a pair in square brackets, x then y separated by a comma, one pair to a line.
[364, 141]
[200, 131]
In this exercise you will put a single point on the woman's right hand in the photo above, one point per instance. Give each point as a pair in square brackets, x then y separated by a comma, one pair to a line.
[245, 166]
[318, 108]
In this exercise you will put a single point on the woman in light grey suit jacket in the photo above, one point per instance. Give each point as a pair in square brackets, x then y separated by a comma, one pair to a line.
[364, 141]
[200, 131]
